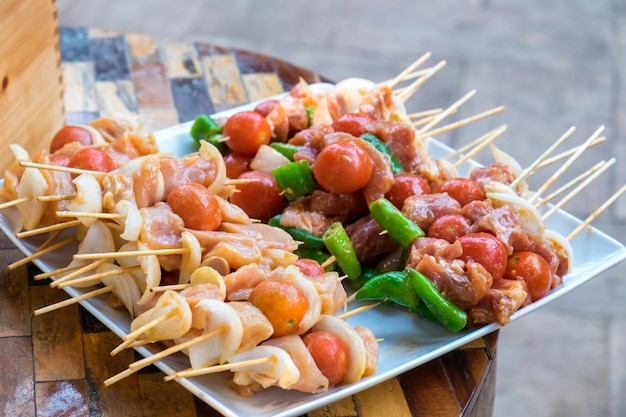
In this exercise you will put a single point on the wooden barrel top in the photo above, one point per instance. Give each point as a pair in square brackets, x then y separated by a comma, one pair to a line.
[55, 364]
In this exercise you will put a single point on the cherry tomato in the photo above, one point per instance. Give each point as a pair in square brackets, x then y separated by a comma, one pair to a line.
[68, 134]
[246, 132]
[449, 227]
[196, 205]
[260, 198]
[236, 164]
[92, 159]
[343, 167]
[264, 108]
[532, 268]
[352, 123]
[309, 267]
[462, 190]
[405, 185]
[330, 354]
[487, 250]
[282, 302]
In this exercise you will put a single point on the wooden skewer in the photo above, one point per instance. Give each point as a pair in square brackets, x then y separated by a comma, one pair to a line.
[46, 229]
[570, 184]
[13, 203]
[410, 76]
[532, 167]
[328, 261]
[425, 113]
[565, 166]
[351, 298]
[136, 366]
[569, 152]
[90, 215]
[131, 337]
[53, 237]
[486, 140]
[218, 368]
[108, 255]
[357, 311]
[72, 300]
[60, 168]
[576, 190]
[401, 76]
[81, 270]
[465, 121]
[445, 113]
[411, 89]
[98, 276]
[40, 253]
[58, 271]
[596, 213]
[177, 287]
[423, 121]
[48, 198]
[241, 181]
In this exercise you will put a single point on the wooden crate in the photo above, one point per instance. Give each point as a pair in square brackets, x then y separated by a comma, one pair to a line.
[31, 101]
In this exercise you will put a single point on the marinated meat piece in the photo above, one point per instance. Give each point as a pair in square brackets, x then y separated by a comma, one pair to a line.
[503, 222]
[241, 282]
[236, 249]
[423, 209]
[402, 142]
[302, 217]
[367, 240]
[343, 207]
[377, 103]
[267, 237]
[256, 327]
[494, 172]
[436, 171]
[476, 209]
[178, 171]
[371, 349]
[279, 122]
[439, 248]
[500, 302]
[331, 292]
[162, 229]
[382, 177]
[148, 183]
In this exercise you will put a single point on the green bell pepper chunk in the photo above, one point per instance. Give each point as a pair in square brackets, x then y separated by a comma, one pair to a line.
[383, 148]
[447, 313]
[308, 239]
[287, 150]
[295, 179]
[394, 286]
[400, 228]
[338, 244]
[203, 127]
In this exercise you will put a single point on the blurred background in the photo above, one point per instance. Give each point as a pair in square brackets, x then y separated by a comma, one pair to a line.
[552, 64]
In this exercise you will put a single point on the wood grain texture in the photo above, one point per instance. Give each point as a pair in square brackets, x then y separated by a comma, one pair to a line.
[31, 105]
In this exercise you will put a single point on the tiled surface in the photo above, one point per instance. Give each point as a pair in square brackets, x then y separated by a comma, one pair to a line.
[552, 64]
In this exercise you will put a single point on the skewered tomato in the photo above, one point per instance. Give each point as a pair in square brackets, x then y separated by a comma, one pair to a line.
[196, 205]
[309, 267]
[92, 159]
[236, 164]
[246, 132]
[462, 190]
[352, 123]
[282, 302]
[68, 134]
[487, 250]
[260, 198]
[449, 227]
[533, 269]
[330, 354]
[343, 167]
[405, 185]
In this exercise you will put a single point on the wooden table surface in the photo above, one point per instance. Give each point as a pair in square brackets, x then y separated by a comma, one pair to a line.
[55, 364]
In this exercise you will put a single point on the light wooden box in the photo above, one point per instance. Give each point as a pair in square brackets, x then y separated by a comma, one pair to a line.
[31, 85]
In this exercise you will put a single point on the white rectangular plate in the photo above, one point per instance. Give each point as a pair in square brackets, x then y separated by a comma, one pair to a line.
[408, 341]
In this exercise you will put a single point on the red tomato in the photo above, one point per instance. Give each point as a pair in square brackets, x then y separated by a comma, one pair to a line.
[449, 227]
[69, 134]
[343, 167]
[236, 164]
[330, 354]
[92, 159]
[352, 123]
[260, 198]
[405, 185]
[487, 250]
[282, 302]
[246, 132]
[462, 190]
[196, 205]
[309, 267]
[264, 108]
[532, 268]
